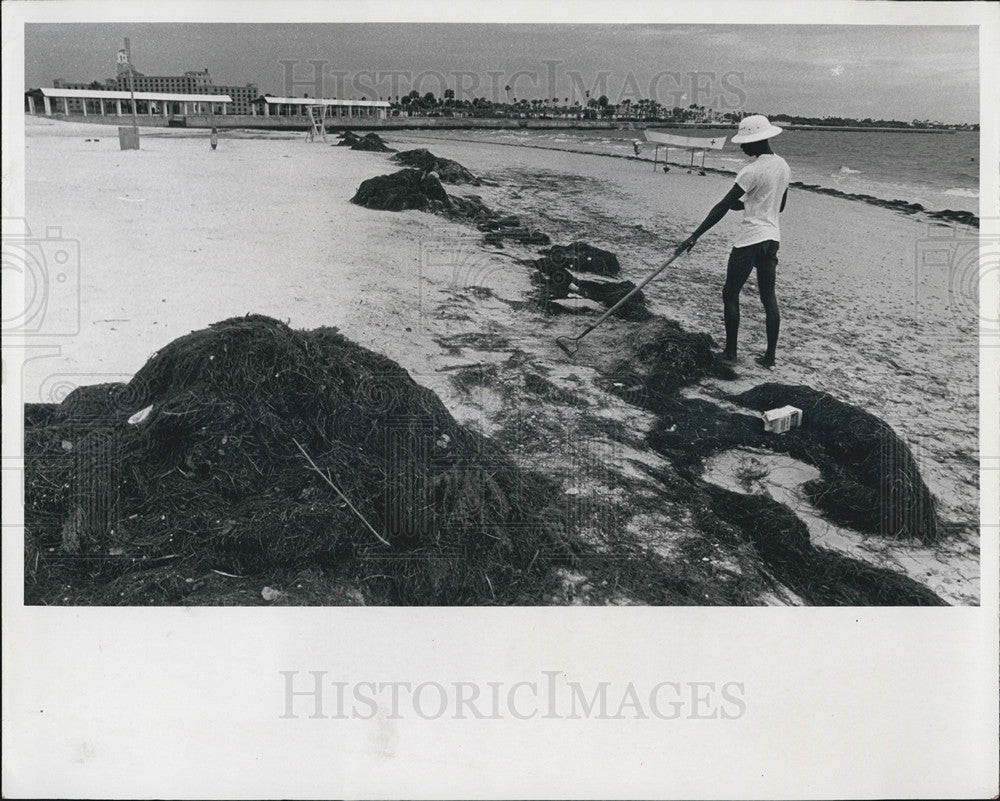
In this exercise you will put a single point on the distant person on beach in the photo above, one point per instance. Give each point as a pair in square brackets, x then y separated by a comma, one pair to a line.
[760, 191]
[215, 138]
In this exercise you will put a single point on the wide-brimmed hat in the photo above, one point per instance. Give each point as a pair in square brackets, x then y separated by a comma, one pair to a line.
[754, 128]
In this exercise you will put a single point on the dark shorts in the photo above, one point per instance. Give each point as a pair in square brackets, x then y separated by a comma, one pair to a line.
[742, 261]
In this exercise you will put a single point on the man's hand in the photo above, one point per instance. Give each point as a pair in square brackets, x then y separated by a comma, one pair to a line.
[719, 210]
[687, 244]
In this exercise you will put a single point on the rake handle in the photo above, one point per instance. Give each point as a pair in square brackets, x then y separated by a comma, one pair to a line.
[625, 299]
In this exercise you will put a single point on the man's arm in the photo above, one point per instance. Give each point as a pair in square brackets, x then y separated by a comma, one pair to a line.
[719, 210]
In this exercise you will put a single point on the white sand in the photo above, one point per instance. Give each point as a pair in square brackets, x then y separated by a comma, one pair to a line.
[176, 236]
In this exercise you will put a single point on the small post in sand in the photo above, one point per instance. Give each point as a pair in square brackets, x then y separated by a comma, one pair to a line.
[128, 138]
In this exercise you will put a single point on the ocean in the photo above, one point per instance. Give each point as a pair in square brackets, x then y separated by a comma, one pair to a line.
[937, 170]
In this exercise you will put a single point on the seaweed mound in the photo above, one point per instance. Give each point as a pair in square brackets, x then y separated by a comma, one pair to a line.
[821, 577]
[249, 447]
[406, 189]
[662, 358]
[579, 256]
[416, 189]
[372, 142]
[449, 171]
[873, 483]
[348, 138]
[524, 235]
[558, 283]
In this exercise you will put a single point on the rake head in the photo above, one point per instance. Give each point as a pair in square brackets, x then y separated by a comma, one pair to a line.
[568, 345]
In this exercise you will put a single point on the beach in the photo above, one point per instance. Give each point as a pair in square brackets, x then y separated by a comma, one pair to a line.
[879, 309]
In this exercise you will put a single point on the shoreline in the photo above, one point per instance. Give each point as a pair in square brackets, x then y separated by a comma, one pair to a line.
[902, 206]
[230, 121]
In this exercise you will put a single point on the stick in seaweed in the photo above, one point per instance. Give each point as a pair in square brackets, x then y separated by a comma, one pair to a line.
[326, 478]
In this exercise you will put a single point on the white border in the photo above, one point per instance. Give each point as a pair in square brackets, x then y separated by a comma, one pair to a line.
[185, 702]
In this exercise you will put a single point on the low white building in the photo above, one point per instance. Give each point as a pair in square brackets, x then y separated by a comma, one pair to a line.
[269, 106]
[104, 102]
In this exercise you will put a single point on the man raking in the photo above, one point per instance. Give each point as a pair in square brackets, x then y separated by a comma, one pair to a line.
[761, 190]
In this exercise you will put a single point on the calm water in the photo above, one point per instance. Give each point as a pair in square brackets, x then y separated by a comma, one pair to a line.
[939, 171]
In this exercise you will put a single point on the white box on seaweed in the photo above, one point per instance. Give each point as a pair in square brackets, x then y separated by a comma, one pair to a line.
[780, 420]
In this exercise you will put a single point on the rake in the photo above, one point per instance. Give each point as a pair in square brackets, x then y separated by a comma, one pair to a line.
[570, 345]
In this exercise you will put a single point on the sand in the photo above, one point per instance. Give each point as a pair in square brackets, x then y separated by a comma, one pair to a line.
[175, 236]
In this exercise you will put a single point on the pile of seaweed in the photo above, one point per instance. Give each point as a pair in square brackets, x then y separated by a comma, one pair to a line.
[448, 171]
[581, 257]
[821, 577]
[552, 275]
[372, 142]
[869, 478]
[661, 358]
[251, 451]
[871, 482]
[522, 235]
[252, 446]
[509, 228]
[420, 190]
[948, 215]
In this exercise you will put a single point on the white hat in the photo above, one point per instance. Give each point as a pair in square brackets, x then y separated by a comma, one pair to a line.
[754, 128]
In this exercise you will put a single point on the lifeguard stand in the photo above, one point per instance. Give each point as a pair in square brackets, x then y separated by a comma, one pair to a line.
[317, 122]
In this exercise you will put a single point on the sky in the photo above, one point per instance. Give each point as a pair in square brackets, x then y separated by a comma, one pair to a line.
[888, 72]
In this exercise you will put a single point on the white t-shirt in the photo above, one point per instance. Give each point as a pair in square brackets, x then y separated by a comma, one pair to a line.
[764, 180]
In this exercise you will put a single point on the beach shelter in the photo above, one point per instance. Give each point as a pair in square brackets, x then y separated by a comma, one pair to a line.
[692, 143]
